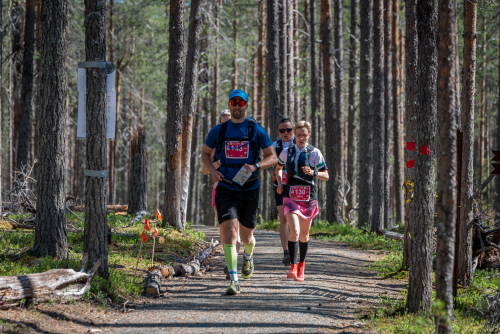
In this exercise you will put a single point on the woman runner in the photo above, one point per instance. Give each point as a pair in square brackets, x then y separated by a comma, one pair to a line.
[304, 163]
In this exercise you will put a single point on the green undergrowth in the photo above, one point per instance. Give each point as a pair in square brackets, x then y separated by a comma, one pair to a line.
[389, 314]
[470, 308]
[126, 266]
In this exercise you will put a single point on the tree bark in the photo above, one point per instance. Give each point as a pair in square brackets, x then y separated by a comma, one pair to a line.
[339, 104]
[138, 189]
[260, 105]
[1, 104]
[388, 212]
[193, 57]
[396, 111]
[273, 77]
[215, 112]
[24, 134]
[468, 95]
[290, 94]
[283, 65]
[411, 111]
[422, 215]
[497, 141]
[378, 117]
[333, 211]
[314, 72]
[17, 15]
[175, 92]
[96, 224]
[447, 173]
[353, 118]
[50, 220]
[366, 114]
[235, 47]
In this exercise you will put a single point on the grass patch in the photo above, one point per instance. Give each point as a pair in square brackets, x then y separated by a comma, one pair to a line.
[124, 280]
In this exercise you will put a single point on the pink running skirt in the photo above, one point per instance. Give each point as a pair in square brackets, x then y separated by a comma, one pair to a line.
[307, 210]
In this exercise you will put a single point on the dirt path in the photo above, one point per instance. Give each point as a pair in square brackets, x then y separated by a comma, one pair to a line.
[337, 285]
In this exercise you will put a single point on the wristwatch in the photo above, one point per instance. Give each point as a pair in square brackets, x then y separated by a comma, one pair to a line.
[257, 165]
[315, 173]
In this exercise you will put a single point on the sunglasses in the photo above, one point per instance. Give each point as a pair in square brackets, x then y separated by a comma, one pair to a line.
[285, 130]
[237, 103]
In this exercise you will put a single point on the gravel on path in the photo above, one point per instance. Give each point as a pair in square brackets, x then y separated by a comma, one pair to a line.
[337, 285]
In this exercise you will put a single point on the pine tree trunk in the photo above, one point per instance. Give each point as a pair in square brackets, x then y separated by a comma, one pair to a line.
[50, 220]
[17, 17]
[96, 224]
[235, 47]
[353, 119]
[422, 215]
[24, 134]
[1, 105]
[260, 63]
[297, 96]
[175, 92]
[290, 61]
[411, 111]
[388, 212]
[497, 141]
[331, 117]
[468, 96]
[138, 189]
[447, 173]
[216, 110]
[283, 65]
[366, 114]
[273, 73]
[314, 72]
[378, 117]
[483, 152]
[193, 56]
[339, 104]
[396, 114]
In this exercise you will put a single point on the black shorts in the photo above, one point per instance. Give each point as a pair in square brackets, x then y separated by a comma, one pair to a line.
[241, 205]
[278, 197]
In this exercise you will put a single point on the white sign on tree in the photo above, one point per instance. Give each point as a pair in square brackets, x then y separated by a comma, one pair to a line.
[81, 131]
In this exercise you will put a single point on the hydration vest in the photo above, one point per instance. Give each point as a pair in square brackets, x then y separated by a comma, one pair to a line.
[290, 168]
[250, 137]
[279, 149]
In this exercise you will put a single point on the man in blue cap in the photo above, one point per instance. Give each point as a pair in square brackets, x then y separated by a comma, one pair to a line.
[238, 143]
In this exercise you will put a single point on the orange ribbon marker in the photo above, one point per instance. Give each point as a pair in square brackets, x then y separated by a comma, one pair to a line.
[155, 232]
[158, 215]
[144, 237]
[146, 225]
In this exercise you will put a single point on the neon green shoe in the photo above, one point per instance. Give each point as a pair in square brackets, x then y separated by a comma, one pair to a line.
[233, 288]
[247, 270]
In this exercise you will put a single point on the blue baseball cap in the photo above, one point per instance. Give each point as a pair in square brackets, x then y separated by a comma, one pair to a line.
[240, 93]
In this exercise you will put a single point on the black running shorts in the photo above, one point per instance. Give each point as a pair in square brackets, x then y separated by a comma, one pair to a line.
[241, 205]
[278, 197]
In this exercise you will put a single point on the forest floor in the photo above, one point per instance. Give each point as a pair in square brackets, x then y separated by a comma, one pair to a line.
[338, 291]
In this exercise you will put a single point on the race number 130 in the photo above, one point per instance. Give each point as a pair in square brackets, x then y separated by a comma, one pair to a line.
[300, 193]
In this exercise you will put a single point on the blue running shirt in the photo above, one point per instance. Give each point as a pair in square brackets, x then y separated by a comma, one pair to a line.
[243, 153]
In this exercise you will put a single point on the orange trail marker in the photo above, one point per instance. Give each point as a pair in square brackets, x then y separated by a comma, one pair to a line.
[146, 225]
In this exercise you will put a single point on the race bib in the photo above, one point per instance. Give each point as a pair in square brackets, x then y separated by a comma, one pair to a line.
[284, 176]
[237, 149]
[300, 193]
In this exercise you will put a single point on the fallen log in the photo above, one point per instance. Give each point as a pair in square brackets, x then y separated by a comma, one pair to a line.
[152, 284]
[391, 235]
[55, 284]
[112, 208]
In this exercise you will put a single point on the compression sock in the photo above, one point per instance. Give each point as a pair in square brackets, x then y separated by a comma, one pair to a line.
[303, 246]
[231, 261]
[247, 254]
[293, 249]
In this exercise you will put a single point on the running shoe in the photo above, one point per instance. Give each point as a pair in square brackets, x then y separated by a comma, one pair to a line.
[226, 271]
[286, 259]
[233, 288]
[247, 270]
[300, 271]
[293, 271]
